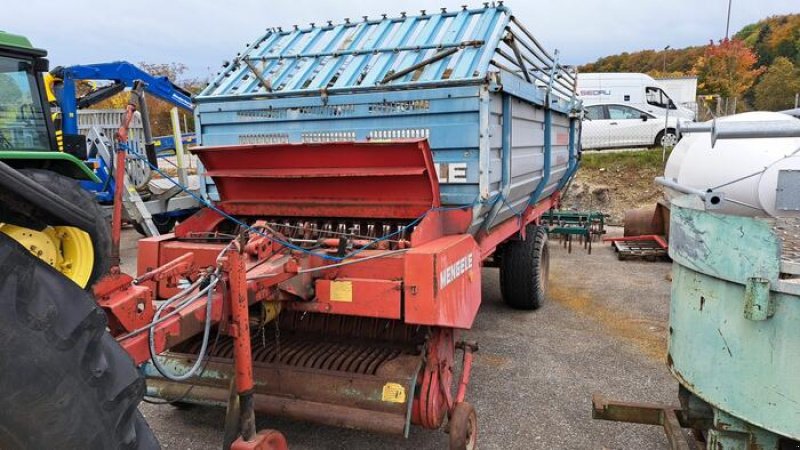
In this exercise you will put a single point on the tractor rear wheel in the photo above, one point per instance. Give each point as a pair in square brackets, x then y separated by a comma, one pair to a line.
[83, 256]
[64, 381]
[524, 269]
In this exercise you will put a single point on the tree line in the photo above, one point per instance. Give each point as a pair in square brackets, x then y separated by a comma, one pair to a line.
[759, 65]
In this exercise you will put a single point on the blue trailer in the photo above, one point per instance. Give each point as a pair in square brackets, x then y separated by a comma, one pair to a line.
[499, 111]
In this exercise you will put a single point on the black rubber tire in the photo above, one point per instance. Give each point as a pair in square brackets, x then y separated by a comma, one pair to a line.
[463, 427]
[64, 381]
[164, 224]
[71, 191]
[660, 136]
[524, 268]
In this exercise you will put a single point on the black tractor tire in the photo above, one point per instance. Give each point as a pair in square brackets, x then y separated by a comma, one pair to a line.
[70, 190]
[524, 269]
[64, 381]
[164, 224]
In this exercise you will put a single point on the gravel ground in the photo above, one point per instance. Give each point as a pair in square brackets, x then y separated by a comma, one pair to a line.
[603, 329]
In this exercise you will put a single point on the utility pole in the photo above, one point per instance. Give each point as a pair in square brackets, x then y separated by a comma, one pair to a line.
[665, 58]
[728, 23]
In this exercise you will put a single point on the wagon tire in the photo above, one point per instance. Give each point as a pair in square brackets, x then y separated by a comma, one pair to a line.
[64, 380]
[524, 269]
[463, 427]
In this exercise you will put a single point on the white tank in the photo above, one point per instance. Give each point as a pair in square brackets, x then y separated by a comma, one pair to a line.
[745, 170]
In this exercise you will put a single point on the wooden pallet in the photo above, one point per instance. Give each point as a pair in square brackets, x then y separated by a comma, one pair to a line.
[640, 247]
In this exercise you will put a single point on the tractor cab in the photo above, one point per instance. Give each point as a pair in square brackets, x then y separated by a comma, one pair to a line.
[27, 133]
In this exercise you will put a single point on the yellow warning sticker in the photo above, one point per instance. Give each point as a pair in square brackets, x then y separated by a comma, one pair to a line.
[393, 393]
[341, 291]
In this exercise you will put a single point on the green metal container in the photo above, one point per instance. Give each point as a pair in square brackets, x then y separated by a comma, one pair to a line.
[734, 335]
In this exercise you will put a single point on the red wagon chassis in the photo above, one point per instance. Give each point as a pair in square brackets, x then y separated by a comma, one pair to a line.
[422, 283]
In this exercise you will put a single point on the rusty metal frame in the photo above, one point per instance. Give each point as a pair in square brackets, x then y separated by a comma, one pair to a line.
[672, 418]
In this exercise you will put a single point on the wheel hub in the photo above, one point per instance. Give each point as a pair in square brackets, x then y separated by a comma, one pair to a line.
[67, 249]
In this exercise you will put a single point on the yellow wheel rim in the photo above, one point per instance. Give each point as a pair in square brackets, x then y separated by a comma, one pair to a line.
[67, 249]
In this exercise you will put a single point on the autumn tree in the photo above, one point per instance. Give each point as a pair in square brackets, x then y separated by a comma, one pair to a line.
[777, 88]
[727, 69]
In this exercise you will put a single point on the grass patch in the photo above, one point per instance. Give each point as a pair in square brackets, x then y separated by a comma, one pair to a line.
[638, 159]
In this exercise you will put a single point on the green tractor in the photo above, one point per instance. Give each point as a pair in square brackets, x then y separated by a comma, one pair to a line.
[79, 249]
[64, 381]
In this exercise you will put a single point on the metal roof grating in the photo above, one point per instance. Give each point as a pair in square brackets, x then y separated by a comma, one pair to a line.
[448, 47]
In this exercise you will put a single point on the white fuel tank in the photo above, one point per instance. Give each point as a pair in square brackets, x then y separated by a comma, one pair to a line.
[758, 176]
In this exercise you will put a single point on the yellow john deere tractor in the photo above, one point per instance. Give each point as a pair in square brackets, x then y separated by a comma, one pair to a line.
[28, 145]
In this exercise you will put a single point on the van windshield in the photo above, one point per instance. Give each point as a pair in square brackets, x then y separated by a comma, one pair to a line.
[657, 97]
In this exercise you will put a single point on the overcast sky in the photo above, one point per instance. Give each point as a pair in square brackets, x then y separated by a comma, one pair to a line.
[203, 33]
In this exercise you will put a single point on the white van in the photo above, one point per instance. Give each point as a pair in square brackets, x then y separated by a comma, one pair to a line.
[635, 89]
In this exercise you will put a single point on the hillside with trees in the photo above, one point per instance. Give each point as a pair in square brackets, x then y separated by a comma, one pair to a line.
[759, 66]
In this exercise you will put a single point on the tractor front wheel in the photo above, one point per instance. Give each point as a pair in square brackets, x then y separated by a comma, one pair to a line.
[83, 256]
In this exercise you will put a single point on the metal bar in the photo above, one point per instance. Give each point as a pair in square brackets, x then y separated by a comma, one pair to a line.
[312, 41]
[672, 428]
[349, 89]
[548, 154]
[362, 51]
[242, 350]
[492, 42]
[259, 76]
[681, 188]
[643, 413]
[268, 69]
[466, 370]
[509, 58]
[431, 29]
[385, 61]
[235, 72]
[220, 76]
[298, 80]
[357, 63]
[179, 153]
[573, 163]
[454, 34]
[665, 416]
[513, 44]
[530, 36]
[330, 69]
[753, 129]
[466, 61]
[442, 54]
[119, 180]
[505, 140]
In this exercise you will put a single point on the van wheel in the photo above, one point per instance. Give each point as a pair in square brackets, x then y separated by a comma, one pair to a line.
[524, 269]
[667, 139]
